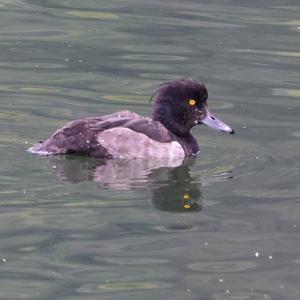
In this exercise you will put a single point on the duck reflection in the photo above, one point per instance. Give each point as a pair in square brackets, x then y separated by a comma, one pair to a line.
[171, 185]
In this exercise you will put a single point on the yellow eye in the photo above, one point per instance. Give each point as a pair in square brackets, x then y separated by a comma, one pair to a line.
[192, 102]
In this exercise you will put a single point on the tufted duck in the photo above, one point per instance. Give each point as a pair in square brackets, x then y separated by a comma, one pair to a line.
[179, 106]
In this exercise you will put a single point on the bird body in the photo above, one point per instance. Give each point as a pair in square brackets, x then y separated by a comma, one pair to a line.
[179, 106]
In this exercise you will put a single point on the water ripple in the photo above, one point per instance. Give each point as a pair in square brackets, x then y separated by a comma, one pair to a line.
[93, 15]
[241, 295]
[154, 57]
[222, 266]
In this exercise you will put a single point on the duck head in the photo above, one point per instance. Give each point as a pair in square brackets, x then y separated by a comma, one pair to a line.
[182, 104]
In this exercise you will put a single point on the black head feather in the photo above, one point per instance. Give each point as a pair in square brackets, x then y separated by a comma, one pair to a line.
[171, 104]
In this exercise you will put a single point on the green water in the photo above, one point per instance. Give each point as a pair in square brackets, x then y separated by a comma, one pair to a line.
[222, 226]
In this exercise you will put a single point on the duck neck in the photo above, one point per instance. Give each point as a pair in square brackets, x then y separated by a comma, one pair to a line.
[189, 145]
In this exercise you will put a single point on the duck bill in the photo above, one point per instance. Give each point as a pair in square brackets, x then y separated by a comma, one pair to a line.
[211, 121]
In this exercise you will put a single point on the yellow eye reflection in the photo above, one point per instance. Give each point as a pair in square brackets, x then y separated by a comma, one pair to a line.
[186, 197]
[192, 102]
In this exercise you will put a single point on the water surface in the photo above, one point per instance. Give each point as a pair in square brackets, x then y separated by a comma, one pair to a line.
[224, 225]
